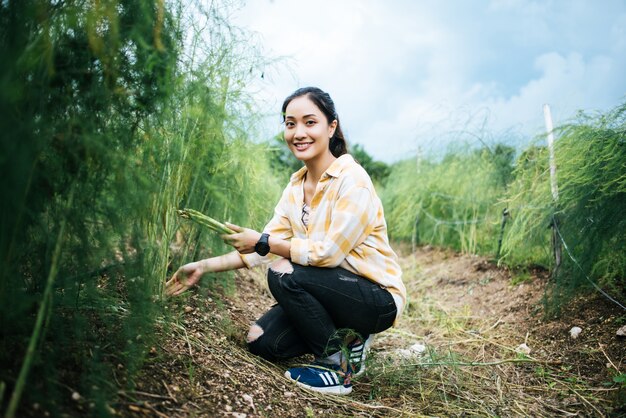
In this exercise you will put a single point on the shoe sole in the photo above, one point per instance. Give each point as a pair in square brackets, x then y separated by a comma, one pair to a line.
[331, 390]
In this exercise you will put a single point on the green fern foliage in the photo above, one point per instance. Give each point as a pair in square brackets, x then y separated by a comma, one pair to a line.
[114, 114]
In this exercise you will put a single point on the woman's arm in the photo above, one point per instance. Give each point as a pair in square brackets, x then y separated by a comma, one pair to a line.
[245, 239]
[189, 275]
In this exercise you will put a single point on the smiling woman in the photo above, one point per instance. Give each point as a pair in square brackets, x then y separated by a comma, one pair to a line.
[335, 277]
[313, 133]
[313, 109]
[306, 129]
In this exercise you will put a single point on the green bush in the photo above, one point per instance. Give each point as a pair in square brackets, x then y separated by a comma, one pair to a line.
[107, 129]
[453, 202]
[457, 202]
[591, 174]
[529, 199]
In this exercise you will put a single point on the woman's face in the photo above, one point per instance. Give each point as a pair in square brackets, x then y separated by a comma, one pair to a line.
[307, 131]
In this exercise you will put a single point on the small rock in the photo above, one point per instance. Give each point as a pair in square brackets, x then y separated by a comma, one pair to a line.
[188, 309]
[228, 408]
[248, 400]
[239, 415]
[523, 348]
[418, 348]
[575, 332]
[621, 332]
[404, 353]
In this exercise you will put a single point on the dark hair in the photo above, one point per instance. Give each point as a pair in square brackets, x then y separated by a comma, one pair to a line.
[323, 101]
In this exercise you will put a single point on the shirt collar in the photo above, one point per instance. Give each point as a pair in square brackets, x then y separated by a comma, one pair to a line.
[334, 170]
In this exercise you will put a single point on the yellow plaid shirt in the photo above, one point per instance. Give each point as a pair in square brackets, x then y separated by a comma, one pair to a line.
[346, 227]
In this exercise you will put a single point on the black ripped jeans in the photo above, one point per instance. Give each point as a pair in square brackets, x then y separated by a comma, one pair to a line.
[314, 306]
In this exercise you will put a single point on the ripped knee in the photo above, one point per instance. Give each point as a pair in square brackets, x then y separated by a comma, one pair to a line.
[254, 333]
[282, 266]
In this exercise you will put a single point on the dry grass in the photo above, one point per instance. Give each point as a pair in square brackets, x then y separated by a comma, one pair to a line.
[470, 367]
[472, 364]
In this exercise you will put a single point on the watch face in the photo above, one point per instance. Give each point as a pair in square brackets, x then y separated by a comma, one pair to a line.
[264, 250]
[262, 247]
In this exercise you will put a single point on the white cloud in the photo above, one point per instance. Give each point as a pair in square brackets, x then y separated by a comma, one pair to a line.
[404, 73]
[568, 83]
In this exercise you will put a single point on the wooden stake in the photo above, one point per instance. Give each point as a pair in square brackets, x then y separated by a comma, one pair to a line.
[556, 243]
[550, 131]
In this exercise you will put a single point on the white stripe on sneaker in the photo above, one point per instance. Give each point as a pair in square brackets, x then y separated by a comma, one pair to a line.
[334, 375]
[325, 378]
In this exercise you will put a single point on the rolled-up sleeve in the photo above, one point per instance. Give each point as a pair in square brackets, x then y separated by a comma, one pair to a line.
[351, 222]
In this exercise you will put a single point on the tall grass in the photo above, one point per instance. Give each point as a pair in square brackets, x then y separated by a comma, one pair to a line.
[114, 115]
[78, 80]
[527, 236]
[591, 175]
[458, 202]
[452, 202]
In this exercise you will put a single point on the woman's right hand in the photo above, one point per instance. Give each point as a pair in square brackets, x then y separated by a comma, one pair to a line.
[185, 277]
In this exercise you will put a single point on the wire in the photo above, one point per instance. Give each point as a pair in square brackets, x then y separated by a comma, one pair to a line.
[554, 223]
[478, 220]
[556, 228]
[459, 222]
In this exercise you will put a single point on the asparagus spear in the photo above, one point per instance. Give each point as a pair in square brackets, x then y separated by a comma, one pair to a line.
[204, 220]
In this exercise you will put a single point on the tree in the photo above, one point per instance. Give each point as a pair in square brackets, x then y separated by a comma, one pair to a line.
[377, 170]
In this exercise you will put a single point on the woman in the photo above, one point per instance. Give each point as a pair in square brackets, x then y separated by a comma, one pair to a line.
[333, 273]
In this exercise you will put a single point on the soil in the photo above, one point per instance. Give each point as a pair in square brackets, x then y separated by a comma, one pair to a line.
[201, 368]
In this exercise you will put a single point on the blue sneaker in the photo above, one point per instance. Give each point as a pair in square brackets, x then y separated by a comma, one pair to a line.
[326, 378]
[357, 353]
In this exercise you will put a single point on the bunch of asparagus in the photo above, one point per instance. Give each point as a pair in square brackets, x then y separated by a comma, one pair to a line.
[204, 220]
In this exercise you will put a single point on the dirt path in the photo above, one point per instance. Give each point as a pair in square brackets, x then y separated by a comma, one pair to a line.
[470, 343]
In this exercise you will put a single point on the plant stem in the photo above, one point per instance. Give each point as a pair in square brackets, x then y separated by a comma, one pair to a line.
[489, 363]
[43, 308]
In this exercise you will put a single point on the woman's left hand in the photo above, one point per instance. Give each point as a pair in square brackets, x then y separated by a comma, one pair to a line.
[243, 240]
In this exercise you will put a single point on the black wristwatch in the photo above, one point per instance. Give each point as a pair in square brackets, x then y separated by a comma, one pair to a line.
[262, 247]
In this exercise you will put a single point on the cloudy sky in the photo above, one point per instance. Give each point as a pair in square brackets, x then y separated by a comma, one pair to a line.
[409, 75]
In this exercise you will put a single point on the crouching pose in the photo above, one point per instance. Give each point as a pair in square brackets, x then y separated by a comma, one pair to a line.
[333, 274]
